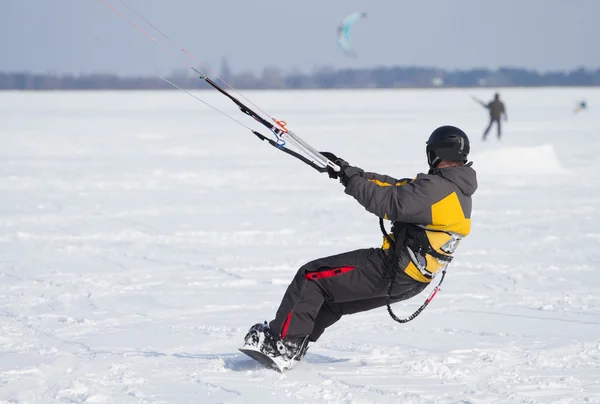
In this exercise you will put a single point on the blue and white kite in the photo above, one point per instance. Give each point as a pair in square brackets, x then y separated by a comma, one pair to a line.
[343, 33]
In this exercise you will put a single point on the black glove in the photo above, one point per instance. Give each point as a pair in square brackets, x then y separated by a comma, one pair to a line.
[330, 171]
[346, 170]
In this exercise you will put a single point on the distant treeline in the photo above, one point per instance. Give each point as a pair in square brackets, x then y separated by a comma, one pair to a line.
[274, 78]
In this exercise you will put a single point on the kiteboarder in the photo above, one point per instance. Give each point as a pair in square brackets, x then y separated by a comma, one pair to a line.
[581, 105]
[497, 110]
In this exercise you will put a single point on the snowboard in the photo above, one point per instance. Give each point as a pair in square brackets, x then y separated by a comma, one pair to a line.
[265, 360]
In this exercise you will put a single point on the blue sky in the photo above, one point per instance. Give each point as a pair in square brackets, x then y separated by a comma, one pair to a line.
[75, 36]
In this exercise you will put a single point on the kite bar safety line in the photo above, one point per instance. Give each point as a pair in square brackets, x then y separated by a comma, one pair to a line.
[278, 132]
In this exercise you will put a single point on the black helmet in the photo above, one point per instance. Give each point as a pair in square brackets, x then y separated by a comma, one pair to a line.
[447, 143]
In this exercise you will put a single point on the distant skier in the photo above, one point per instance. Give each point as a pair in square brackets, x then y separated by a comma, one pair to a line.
[581, 105]
[496, 109]
[430, 214]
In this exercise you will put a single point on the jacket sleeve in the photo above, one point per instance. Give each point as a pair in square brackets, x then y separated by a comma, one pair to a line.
[383, 180]
[410, 202]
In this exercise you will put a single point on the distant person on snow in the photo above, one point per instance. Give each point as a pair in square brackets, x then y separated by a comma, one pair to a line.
[581, 105]
[497, 110]
[430, 214]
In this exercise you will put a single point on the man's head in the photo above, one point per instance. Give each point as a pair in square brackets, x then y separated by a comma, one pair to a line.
[496, 96]
[446, 147]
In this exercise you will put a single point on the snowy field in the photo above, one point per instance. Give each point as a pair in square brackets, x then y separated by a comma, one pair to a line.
[141, 234]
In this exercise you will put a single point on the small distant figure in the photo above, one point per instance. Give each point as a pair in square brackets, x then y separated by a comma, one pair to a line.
[497, 110]
[581, 105]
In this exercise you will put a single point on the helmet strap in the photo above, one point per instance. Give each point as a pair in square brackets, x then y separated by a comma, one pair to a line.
[433, 163]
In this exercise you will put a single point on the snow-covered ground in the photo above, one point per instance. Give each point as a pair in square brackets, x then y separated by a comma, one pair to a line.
[141, 234]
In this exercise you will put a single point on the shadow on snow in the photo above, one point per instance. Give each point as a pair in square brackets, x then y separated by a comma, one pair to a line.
[233, 361]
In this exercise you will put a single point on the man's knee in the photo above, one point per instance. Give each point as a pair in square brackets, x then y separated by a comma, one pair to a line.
[307, 268]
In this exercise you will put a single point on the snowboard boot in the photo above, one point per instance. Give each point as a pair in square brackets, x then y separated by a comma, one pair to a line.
[287, 352]
[260, 336]
[293, 349]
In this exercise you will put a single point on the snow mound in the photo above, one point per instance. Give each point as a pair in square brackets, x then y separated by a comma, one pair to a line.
[535, 160]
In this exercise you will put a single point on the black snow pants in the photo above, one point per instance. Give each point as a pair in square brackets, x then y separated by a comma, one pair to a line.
[325, 289]
[498, 126]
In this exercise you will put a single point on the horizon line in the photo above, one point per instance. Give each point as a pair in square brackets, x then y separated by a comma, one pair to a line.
[316, 69]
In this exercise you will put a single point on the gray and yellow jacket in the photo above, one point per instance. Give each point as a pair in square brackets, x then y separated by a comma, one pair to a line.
[437, 204]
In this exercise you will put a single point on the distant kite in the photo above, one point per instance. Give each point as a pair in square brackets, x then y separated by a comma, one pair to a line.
[343, 33]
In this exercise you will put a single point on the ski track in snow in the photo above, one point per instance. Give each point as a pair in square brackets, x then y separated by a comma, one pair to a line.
[137, 246]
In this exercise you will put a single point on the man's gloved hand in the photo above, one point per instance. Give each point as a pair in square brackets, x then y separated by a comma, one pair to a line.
[346, 170]
[330, 171]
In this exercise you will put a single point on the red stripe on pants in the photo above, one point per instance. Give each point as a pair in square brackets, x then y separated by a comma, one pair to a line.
[285, 326]
[328, 273]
